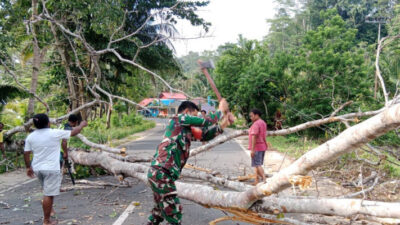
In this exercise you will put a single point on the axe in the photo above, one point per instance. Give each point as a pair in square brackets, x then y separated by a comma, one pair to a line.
[204, 66]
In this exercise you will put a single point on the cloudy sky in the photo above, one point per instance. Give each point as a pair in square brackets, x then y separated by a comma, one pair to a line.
[229, 18]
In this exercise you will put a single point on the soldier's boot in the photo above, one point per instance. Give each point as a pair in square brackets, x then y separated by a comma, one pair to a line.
[155, 218]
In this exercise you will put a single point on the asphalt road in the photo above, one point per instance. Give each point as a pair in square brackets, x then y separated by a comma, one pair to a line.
[22, 205]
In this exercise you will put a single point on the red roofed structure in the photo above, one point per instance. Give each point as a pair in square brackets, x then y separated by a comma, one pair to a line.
[168, 95]
[146, 101]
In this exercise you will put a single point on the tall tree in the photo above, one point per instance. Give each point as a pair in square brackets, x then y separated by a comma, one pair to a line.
[39, 52]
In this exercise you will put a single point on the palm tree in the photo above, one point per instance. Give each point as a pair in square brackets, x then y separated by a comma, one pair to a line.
[9, 92]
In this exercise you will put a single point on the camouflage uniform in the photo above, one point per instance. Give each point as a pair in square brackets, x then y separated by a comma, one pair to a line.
[169, 160]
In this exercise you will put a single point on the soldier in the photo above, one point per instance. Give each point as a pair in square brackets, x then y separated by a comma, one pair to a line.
[172, 154]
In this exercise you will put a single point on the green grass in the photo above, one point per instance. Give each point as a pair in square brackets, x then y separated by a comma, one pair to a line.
[101, 135]
[294, 146]
[392, 169]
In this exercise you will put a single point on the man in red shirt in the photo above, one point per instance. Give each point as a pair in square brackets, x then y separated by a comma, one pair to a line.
[257, 143]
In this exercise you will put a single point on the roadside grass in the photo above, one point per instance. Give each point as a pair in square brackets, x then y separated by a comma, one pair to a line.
[110, 136]
[292, 145]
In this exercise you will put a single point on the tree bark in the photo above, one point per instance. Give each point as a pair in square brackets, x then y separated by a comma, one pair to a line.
[65, 62]
[82, 98]
[343, 143]
[38, 56]
[226, 137]
[109, 111]
[98, 146]
[208, 196]
[346, 141]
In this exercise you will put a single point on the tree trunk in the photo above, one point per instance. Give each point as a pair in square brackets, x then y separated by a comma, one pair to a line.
[82, 98]
[266, 109]
[38, 56]
[65, 62]
[343, 143]
[226, 137]
[109, 111]
[208, 196]
[101, 110]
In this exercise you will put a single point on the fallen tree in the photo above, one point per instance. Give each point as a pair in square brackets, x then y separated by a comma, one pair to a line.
[351, 138]
[210, 197]
[244, 198]
[291, 130]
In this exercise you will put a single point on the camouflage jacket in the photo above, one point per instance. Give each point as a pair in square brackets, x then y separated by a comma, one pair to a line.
[173, 152]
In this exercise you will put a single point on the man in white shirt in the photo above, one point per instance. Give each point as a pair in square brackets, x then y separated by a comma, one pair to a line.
[44, 143]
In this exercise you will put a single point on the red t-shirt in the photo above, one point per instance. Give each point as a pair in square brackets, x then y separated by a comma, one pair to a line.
[259, 128]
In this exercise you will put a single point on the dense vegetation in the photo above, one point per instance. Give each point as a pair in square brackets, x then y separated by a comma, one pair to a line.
[60, 72]
[41, 58]
[317, 56]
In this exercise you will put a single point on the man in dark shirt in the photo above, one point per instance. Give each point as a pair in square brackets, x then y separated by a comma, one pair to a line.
[72, 122]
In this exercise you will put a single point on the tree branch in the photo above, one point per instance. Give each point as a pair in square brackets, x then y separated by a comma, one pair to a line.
[346, 141]
[381, 45]
[58, 120]
[207, 196]
[23, 87]
[98, 146]
[340, 108]
[145, 69]
[226, 137]
[119, 97]
[92, 51]
[363, 191]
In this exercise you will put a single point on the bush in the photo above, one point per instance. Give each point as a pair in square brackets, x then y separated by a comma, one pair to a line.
[240, 123]
[389, 139]
[82, 171]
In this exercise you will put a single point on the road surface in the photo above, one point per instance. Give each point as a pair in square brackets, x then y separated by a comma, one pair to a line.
[22, 204]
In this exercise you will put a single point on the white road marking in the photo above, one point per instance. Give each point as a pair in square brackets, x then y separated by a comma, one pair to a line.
[13, 187]
[243, 148]
[121, 219]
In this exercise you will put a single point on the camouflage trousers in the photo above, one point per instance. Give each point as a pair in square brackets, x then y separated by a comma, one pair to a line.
[166, 203]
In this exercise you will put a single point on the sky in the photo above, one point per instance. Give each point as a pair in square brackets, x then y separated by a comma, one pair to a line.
[229, 18]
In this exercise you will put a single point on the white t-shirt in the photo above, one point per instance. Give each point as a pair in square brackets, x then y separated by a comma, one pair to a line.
[46, 147]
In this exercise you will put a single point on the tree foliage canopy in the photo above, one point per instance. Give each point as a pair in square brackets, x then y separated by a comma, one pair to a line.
[317, 56]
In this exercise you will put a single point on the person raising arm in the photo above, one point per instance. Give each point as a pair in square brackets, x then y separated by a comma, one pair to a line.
[44, 143]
